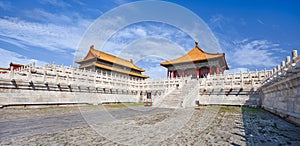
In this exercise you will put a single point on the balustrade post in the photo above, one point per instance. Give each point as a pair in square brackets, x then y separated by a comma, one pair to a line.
[257, 75]
[288, 60]
[282, 64]
[225, 79]
[84, 76]
[95, 77]
[29, 76]
[62, 67]
[278, 70]
[56, 78]
[294, 55]
[54, 68]
[274, 70]
[44, 74]
[22, 68]
[77, 77]
[232, 80]
[68, 79]
[242, 79]
[11, 73]
[212, 81]
[33, 66]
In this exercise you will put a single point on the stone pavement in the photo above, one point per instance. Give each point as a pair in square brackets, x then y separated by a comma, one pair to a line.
[269, 129]
[144, 126]
[20, 127]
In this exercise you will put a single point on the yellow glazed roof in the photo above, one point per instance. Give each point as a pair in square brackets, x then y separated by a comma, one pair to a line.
[115, 69]
[196, 54]
[110, 58]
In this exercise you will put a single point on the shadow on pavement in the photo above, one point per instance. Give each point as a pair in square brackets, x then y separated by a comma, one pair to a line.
[264, 128]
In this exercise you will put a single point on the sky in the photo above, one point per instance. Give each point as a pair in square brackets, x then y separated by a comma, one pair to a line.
[253, 34]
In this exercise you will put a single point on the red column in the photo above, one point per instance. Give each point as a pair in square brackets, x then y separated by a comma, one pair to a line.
[210, 71]
[198, 72]
[182, 73]
[217, 70]
[173, 73]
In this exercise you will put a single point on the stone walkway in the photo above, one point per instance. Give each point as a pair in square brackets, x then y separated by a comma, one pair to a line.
[152, 126]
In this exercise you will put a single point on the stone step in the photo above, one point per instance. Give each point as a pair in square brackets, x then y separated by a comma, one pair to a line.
[175, 99]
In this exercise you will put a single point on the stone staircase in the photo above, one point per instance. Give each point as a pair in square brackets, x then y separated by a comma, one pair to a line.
[176, 97]
[190, 93]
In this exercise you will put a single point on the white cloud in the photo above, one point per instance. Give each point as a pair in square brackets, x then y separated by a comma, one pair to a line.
[79, 2]
[143, 41]
[5, 5]
[131, 34]
[147, 53]
[151, 64]
[157, 72]
[43, 16]
[58, 3]
[112, 21]
[9, 56]
[143, 30]
[54, 37]
[120, 2]
[13, 42]
[236, 70]
[259, 21]
[97, 34]
[152, 46]
[254, 53]
[218, 21]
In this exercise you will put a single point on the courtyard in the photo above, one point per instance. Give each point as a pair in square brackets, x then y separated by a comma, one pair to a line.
[134, 124]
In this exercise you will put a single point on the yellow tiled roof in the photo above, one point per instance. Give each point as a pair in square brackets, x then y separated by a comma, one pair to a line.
[115, 69]
[110, 58]
[196, 54]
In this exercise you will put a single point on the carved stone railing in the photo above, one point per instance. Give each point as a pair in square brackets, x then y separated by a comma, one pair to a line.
[285, 69]
[249, 80]
[280, 92]
[73, 77]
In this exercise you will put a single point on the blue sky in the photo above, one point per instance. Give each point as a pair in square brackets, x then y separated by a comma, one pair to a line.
[254, 34]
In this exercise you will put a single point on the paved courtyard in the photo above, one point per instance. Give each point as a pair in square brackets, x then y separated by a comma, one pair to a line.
[138, 125]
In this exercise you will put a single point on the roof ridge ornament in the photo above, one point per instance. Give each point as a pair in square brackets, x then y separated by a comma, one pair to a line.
[92, 47]
[196, 44]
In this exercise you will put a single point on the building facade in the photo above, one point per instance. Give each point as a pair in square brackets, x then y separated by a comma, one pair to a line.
[196, 63]
[12, 66]
[99, 61]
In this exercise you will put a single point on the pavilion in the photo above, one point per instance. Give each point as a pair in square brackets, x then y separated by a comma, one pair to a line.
[99, 61]
[196, 63]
